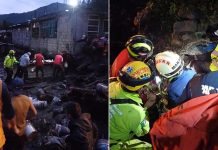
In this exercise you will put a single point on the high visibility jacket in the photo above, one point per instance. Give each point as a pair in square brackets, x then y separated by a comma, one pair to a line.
[214, 58]
[190, 126]
[2, 136]
[126, 119]
[9, 62]
[121, 60]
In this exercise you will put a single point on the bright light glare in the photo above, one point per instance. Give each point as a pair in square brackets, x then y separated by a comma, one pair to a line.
[73, 3]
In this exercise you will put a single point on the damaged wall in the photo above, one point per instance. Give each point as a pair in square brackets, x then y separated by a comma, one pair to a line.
[70, 26]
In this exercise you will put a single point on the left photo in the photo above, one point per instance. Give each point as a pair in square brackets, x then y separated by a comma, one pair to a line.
[54, 75]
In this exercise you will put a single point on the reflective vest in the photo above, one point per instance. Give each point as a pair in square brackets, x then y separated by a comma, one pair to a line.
[2, 136]
[126, 119]
[214, 58]
[9, 62]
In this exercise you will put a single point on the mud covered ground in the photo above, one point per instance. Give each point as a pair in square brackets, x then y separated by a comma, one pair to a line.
[79, 85]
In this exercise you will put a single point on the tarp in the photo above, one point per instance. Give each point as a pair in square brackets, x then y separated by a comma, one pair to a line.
[192, 125]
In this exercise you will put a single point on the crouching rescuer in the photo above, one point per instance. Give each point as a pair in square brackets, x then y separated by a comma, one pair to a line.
[128, 116]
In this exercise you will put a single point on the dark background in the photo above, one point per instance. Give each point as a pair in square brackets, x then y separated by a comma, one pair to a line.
[158, 22]
[122, 13]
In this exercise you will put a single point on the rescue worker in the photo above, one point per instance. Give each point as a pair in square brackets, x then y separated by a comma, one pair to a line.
[212, 34]
[7, 112]
[58, 67]
[127, 113]
[200, 85]
[39, 63]
[22, 106]
[138, 47]
[9, 63]
[22, 68]
[171, 66]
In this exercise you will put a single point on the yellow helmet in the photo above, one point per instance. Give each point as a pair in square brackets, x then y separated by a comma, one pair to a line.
[11, 52]
[135, 75]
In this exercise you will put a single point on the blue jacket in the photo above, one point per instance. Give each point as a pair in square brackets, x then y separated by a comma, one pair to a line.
[201, 85]
[177, 85]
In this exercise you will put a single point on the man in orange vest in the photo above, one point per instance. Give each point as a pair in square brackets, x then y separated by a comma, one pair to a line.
[7, 111]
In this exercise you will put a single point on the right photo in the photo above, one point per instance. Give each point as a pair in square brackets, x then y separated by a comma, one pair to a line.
[163, 85]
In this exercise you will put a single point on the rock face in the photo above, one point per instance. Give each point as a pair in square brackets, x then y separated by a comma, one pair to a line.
[179, 22]
[184, 31]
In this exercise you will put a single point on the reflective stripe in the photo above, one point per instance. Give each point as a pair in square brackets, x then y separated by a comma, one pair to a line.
[131, 53]
[215, 52]
[134, 144]
[138, 45]
[141, 45]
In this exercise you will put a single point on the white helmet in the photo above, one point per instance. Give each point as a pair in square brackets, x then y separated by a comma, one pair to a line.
[169, 64]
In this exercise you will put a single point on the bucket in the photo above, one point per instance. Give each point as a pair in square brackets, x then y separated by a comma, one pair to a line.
[30, 131]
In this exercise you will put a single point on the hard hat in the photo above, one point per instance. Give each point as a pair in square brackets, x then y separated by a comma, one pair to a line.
[11, 52]
[139, 47]
[169, 64]
[135, 75]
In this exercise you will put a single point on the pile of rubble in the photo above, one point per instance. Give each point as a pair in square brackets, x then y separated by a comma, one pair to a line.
[49, 99]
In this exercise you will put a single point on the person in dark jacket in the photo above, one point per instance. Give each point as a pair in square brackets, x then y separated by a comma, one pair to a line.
[200, 85]
[83, 132]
